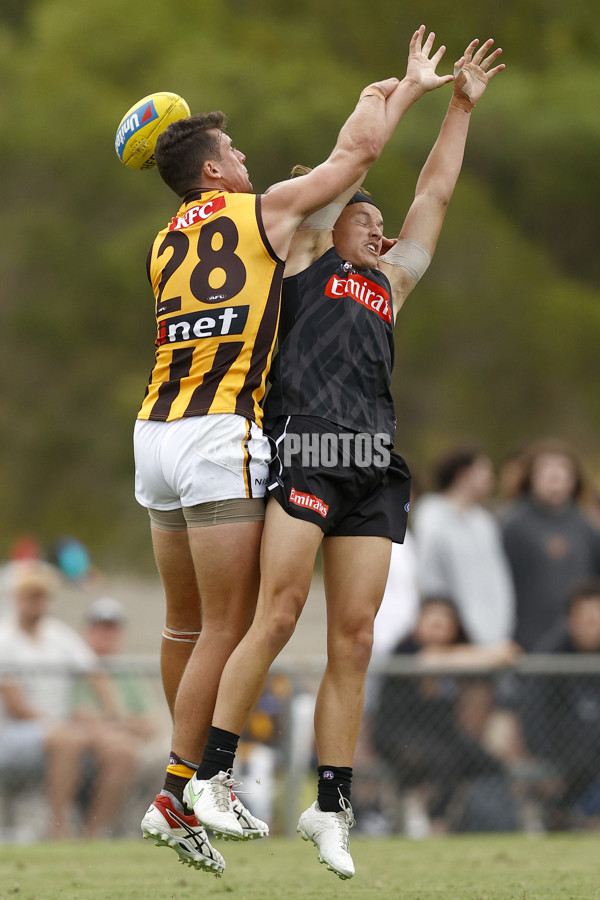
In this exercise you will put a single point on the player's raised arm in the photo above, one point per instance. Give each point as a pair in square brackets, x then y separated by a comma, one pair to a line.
[420, 75]
[408, 259]
[380, 107]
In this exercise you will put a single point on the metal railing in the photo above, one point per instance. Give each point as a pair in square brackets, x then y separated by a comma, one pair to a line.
[442, 748]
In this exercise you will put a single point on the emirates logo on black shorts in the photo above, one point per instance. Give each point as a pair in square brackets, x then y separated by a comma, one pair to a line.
[309, 501]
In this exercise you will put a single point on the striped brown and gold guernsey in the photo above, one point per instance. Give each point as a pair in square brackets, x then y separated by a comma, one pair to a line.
[217, 284]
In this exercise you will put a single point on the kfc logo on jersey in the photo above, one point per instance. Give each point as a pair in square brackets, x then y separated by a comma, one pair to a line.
[198, 213]
[308, 501]
[364, 291]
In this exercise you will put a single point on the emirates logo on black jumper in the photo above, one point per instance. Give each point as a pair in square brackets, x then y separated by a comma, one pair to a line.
[363, 290]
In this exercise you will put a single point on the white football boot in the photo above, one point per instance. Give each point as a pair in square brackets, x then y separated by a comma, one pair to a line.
[329, 832]
[169, 827]
[211, 801]
[252, 827]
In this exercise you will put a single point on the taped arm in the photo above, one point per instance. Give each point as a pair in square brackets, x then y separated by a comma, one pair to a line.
[314, 235]
[422, 226]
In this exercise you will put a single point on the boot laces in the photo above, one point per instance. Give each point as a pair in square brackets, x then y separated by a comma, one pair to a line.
[221, 791]
[346, 820]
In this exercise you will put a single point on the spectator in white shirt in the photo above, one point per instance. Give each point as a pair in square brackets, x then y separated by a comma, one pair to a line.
[460, 549]
[39, 658]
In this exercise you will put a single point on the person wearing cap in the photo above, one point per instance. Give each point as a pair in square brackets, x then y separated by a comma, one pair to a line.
[336, 483]
[104, 629]
[139, 724]
[39, 737]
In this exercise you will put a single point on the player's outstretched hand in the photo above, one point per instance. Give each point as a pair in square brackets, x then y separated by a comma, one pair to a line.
[473, 71]
[421, 68]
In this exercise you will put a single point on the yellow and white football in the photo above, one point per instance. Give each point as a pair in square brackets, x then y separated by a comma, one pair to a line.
[142, 124]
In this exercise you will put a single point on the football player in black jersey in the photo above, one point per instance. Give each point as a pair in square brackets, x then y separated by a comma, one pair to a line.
[199, 447]
[336, 482]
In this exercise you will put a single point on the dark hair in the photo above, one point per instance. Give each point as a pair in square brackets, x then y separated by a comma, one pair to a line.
[183, 148]
[586, 589]
[362, 197]
[447, 601]
[452, 464]
[554, 447]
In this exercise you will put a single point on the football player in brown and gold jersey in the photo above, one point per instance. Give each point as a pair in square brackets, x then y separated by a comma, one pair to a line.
[201, 457]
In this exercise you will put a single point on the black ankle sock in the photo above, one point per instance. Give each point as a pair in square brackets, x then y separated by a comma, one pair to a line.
[333, 780]
[219, 752]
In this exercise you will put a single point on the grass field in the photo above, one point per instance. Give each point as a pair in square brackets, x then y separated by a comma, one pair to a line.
[494, 867]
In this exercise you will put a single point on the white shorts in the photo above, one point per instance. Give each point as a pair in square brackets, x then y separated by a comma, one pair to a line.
[199, 459]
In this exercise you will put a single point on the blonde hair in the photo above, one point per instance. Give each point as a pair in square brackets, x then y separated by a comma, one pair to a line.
[33, 573]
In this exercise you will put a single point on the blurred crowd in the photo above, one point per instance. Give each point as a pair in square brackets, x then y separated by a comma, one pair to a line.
[83, 726]
[490, 575]
[71, 729]
[493, 572]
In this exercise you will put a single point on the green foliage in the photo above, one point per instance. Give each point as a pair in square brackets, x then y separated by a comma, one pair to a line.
[499, 340]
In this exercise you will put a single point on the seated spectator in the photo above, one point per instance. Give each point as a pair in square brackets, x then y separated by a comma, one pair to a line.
[104, 631]
[562, 716]
[429, 729]
[549, 541]
[38, 737]
[138, 724]
[459, 547]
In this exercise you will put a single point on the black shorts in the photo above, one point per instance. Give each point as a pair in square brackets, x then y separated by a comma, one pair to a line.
[348, 484]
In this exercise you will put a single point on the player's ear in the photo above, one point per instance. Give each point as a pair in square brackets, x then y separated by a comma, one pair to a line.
[210, 169]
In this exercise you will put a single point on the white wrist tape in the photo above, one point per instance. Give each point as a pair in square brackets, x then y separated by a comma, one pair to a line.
[323, 219]
[411, 255]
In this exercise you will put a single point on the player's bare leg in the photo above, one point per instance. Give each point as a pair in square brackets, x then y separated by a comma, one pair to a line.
[355, 570]
[287, 557]
[355, 574]
[288, 552]
[226, 560]
[226, 567]
[183, 616]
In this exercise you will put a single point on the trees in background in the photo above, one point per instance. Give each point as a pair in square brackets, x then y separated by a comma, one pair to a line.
[499, 341]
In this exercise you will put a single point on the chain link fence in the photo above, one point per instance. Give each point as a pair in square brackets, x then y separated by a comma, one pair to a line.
[441, 749]
[464, 750]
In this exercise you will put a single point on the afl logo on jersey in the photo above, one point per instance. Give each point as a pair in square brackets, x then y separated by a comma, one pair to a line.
[363, 290]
